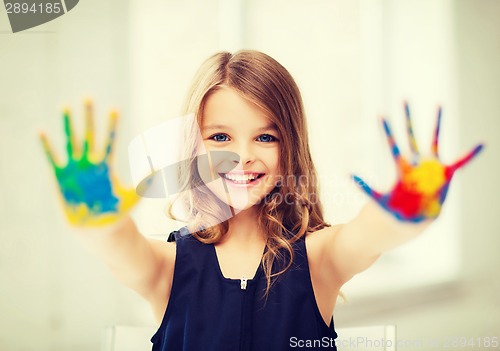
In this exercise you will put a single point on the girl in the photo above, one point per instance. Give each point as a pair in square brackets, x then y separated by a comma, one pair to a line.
[266, 276]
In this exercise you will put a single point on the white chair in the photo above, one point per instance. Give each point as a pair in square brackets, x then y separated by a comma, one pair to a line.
[373, 338]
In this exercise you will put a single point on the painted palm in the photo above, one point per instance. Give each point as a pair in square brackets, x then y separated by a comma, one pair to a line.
[91, 194]
[422, 184]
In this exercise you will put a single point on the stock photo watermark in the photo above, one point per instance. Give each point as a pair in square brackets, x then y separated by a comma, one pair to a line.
[367, 343]
[214, 182]
[25, 14]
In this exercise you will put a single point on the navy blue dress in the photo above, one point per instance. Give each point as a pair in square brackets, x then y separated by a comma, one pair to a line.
[209, 312]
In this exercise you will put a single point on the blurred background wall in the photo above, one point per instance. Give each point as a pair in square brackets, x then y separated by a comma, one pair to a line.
[353, 60]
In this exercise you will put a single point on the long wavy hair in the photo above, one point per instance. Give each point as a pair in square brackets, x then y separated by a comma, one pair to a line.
[293, 207]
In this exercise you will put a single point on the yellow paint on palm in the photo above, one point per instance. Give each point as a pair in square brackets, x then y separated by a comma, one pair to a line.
[128, 196]
[81, 216]
[427, 178]
[432, 209]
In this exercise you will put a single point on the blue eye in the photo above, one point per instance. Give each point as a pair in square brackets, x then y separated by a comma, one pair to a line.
[219, 137]
[267, 138]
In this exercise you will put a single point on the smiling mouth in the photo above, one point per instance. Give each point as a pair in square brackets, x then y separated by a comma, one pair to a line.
[242, 178]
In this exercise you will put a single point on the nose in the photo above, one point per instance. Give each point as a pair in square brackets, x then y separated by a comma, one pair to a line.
[244, 154]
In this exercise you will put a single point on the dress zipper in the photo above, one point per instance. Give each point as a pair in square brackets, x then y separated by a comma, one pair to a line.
[243, 283]
[243, 342]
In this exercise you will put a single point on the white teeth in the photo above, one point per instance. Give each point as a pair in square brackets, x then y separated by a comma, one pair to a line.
[241, 178]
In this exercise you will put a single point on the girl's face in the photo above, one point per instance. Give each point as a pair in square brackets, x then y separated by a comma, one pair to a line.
[249, 168]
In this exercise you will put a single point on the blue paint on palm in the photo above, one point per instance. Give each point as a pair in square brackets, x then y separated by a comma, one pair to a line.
[83, 183]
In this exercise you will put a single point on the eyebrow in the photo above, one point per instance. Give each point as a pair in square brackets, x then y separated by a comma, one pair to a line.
[222, 126]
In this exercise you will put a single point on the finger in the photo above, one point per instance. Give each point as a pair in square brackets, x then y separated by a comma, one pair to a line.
[443, 192]
[465, 159]
[113, 119]
[366, 188]
[435, 142]
[48, 149]
[411, 135]
[70, 138]
[88, 145]
[392, 143]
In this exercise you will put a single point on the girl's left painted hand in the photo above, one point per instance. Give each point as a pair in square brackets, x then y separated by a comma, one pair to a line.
[422, 185]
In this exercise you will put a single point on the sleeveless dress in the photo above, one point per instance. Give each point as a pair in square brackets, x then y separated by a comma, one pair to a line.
[209, 312]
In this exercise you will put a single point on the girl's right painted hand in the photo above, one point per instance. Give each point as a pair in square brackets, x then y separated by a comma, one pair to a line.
[91, 194]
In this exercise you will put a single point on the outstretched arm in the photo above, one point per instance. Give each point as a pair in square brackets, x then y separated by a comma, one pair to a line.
[97, 206]
[396, 217]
